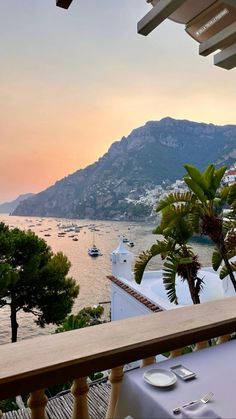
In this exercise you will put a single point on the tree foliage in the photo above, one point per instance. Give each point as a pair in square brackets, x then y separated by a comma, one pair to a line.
[200, 210]
[179, 258]
[209, 200]
[33, 279]
[88, 316]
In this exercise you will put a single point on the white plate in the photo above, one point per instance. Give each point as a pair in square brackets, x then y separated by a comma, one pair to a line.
[159, 377]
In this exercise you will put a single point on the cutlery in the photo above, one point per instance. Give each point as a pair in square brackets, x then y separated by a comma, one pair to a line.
[204, 399]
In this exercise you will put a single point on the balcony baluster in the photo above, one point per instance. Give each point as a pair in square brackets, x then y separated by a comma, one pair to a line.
[37, 403]
[115, 378]
[148, 361]
[200, 345]
[175, 353]
[79, 389]
[223, 339]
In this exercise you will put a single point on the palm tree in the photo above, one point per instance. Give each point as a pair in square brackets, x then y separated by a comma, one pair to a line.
[179, 258]
[207, 201]
[197, 211]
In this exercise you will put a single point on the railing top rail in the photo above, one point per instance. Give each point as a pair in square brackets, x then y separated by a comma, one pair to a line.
[47, 360]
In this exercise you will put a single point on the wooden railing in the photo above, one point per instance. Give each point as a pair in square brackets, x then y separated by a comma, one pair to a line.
[32, 365]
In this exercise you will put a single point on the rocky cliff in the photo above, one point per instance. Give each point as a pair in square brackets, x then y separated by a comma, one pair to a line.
[151, 154]
[8, 207]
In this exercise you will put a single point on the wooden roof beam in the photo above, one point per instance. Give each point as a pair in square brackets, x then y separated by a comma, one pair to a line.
[226, 58]
[162, 10]
[63, 3]
[221, 40]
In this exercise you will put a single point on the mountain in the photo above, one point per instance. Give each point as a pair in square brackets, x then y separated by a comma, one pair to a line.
[8, 207]
[132, 166]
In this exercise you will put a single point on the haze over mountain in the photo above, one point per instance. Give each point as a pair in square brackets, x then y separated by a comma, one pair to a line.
[8, 207]
[137, 163]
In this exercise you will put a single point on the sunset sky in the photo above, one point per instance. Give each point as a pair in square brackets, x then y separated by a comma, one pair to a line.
[73, 82]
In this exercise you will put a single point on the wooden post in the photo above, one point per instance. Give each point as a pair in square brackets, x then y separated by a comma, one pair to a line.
[1, 414]
[115, 378]
[37, 403]
[79, 389]
[148, 361]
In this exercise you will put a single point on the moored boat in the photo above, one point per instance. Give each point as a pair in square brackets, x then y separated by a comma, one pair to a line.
[94, 251]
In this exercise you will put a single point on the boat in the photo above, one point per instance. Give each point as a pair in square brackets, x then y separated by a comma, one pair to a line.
[125, 240]
[61, 234]
[130, 244]
[94, 251]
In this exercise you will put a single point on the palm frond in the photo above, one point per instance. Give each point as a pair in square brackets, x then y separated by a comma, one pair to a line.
[224, 271]
[199, 285]
[194, 219]
[169, 275]
[195, 188]
[223, 193]
[228, 226]
[217, 204]
[196, 176]
[176, 223]
[218, 175]
[141, 264]
[208, 175]
[162, 247]
[231, 253]
[174, 198]
[232, 194]
[173, 214]
[216, 260]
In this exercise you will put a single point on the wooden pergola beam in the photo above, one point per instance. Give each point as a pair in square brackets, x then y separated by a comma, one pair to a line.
[63, 3]
[162, 10]
[226, 58]
[222, 39]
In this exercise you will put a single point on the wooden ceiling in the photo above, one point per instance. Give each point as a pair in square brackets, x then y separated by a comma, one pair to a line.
[212, 23]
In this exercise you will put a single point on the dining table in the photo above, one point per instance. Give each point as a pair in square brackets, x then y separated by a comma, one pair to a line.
[215, 369]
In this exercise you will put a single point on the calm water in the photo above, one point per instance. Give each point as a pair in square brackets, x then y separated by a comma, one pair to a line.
[90, 273]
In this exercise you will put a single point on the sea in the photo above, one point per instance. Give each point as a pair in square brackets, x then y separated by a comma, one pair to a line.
[90, 273]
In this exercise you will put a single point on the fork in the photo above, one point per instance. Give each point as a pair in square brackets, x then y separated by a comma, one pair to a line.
[204, 399]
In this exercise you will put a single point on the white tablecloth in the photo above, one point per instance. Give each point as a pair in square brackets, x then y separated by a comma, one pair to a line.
[216, 371]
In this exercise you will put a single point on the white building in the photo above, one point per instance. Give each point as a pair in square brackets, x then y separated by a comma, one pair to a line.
[230, 177]
[129, 299]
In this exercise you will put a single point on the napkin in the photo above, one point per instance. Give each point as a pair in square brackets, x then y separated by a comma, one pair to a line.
[198, 411]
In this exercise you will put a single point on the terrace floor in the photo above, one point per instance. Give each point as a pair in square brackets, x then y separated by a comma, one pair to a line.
[61, 407]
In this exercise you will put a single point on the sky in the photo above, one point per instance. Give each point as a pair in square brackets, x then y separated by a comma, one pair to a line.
[74, 81]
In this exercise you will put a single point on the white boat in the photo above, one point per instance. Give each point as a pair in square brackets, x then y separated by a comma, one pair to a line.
[94, 251]
[130, 244]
